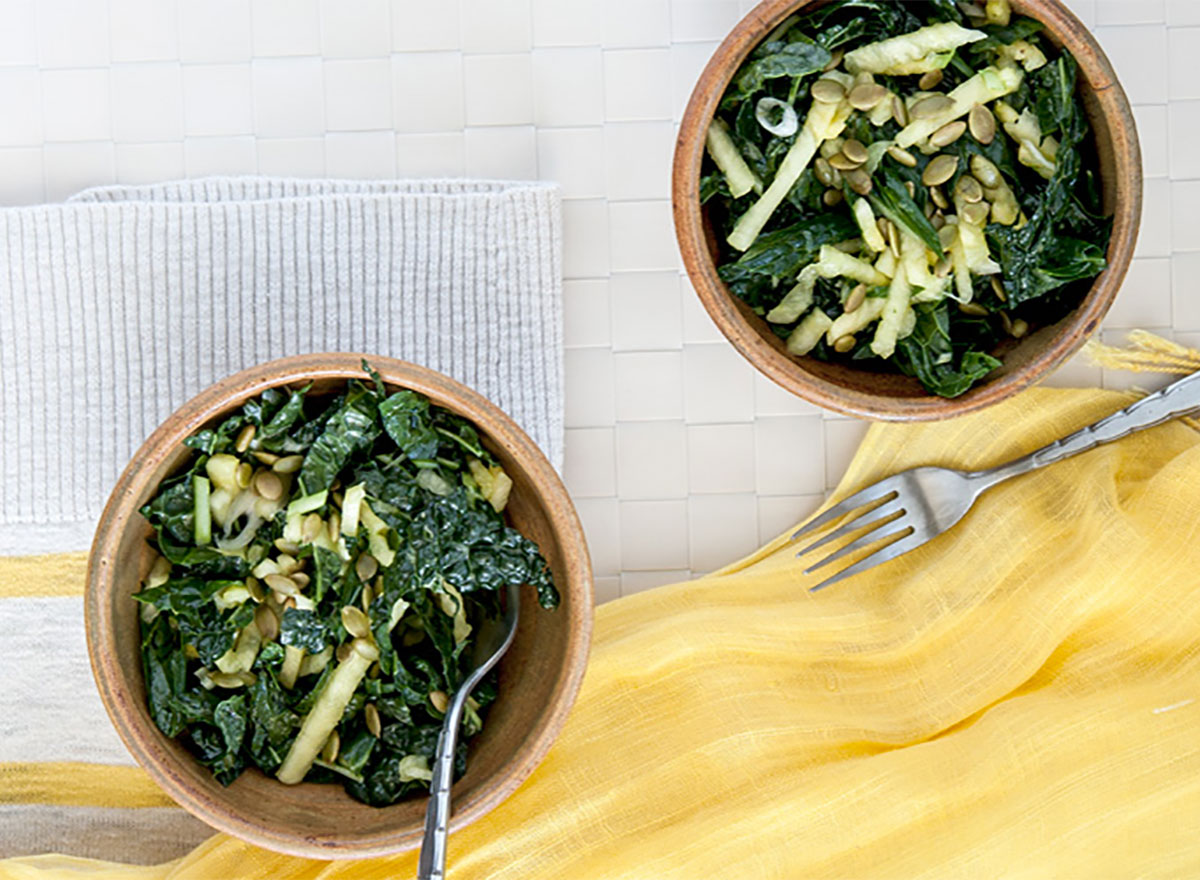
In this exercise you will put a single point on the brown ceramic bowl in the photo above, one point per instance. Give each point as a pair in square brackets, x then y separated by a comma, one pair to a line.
[539, 676]
[891, 396]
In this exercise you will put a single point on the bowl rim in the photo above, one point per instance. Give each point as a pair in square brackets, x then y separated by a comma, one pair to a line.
[785, 370]
[218, 399]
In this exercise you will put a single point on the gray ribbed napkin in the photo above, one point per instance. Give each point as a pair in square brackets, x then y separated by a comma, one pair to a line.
[122, 303]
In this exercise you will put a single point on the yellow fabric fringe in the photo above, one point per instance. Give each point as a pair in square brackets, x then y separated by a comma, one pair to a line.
[1147, 353]
[1019, 698]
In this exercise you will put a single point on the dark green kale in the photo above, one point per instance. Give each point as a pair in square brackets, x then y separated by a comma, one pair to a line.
[235, 694]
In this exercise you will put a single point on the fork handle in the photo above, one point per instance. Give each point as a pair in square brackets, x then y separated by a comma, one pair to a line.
[432, 861]
[1177, 399]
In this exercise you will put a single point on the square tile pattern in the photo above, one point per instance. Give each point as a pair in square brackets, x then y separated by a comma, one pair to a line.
[681, 458]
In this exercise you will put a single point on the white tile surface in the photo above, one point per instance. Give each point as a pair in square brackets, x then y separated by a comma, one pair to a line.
[652, 460]
[679, 455]
[649, 385]
[568, 86]
[575, 158]
[75, 105]
[646, 311]
[215, 30]
[587, 312]
[358, 94]
[721, 530]
[572, 23]
[218, 99]
[496, 25]
[359, 29]
[284, 27]
[627, 72]
[496, 89]
[654, 535]
[289, 97]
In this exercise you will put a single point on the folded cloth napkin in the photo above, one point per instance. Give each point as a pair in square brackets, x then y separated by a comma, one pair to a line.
[1019, 698]
[121, 304]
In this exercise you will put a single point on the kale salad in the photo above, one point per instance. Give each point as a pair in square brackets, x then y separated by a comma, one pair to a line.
[323, 564]
[907, 186]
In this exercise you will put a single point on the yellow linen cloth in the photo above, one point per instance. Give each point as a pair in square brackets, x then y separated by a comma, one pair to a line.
[1019, 698]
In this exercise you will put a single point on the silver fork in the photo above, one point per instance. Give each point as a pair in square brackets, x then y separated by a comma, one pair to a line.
[916, 505]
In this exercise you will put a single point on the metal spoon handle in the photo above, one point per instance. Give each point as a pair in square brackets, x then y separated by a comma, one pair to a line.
[432, 863]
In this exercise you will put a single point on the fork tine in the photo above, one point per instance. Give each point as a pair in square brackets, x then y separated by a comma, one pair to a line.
[873, 535]
[879, 513]
[884, 554]
[863, 496]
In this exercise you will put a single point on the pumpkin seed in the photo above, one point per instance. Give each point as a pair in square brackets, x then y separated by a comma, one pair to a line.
[947, 233]
[947, 134]
[286, 563]
[968, 189]
[267, 623]
[939, 197]
[356, 622]
[374, 724]
[289, 464]
[368, 596]
[972, 309]
[985, 170]
[366, 567]
[976, 213]
[828, 91]
[866, 96]
[267, 458]
[911, 188]
[982, 124]
[1019, 328]
[899, 111]
[842, 162]
[329, 751]
[244, 474]
[335, 524]
[928, 210]
[859, 181]
[256, 590]
[940, 169]
[938, 219]
[1006, 322]
[439, 700]
[845, 343]
[904, 157]
[311, 527]
[285, 546]
[302, 580]
[268, 485]
[998, 289]
[893, 239]
[281, 584]
[823, 171]
[244, 437]
[832, 197]
[856, 298]
[834, 60]
[929, 80]
[854, 151]
[928, 108]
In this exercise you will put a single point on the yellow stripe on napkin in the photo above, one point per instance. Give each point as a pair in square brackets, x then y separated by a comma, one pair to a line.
[78, 784]
[53, 575]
